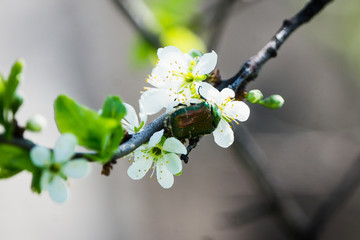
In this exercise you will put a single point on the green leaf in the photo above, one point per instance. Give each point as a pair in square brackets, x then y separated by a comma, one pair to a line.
[6, 172]
[2, 95]
[92, 130]
[35, 183]
[13, 81]
[113, 108]
[13, 160]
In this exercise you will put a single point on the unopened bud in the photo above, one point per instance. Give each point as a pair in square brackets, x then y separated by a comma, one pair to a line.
[36, 123]
[254, 96]
[17, 101]
[273, 102]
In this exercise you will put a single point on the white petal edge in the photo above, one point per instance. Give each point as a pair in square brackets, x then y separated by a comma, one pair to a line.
[153, 100]
[45, 179]
[167, 52]
[65, 147]
[173, 163]
[131, 116]
[155, 138]
[77, 168]
[237, 110]
[225, 94]
[58, 190]
[174, 146]
[40, 156]
[164, 176]
[208, 92]
[139, 167]
[206, 63]
[223, 134]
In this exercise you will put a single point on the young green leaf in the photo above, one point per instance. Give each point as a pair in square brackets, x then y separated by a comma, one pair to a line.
[13, 160]
[92, 130]
[35, 182]
[13, 82]
[113, 108]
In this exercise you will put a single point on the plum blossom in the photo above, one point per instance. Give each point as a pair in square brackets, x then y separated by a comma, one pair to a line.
[231, 110]
[175, 78]
[57, 167]
[131, 122]
[161, 151]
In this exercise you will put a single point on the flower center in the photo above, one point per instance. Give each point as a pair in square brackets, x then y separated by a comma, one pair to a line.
[55, 168]
[189, 77]
[155, 151]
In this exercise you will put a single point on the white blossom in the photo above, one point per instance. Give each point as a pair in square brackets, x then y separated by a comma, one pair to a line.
[161, 151]
[231, 110]
[56, 166]
[175, 78]
[131, 122]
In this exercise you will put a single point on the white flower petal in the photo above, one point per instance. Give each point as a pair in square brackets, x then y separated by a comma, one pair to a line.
[168, 52]
[174, 146]
[164, 176]
[153, 100]
[173, 163]
[58, 190]
[142, 115]
[77, 168]
[64, 147]
[140, 166]
[223, 134]
[155, 138]
[45, 180]
[131, 116]
[225, 94]
[40, 156]
[172, 58]
[206, 63]
[237, 110]
[208, 92]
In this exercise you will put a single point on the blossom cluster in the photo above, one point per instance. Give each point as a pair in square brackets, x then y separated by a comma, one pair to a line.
[177, 82]
[178, 79]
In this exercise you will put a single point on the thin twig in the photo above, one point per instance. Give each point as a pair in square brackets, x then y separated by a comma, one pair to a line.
[140, 138]
[251, 67]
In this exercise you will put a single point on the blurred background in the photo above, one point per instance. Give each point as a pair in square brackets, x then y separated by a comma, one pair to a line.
[89, 49]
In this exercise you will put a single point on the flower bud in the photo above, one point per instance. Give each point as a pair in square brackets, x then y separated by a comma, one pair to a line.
[16, 103]
[36, 123]
[254, 96]
[273, 102]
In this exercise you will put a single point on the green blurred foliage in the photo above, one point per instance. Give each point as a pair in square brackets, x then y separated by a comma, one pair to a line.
[13, 160]
[10, 100]
[174, 18]
[100, 132]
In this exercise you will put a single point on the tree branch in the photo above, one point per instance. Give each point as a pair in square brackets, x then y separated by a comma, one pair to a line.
[137, 139]
[253, 65]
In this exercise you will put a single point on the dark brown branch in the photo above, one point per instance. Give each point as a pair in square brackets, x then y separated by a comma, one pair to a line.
[251, 67]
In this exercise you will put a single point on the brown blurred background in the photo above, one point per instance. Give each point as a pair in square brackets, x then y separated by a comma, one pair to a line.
[81, 48]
